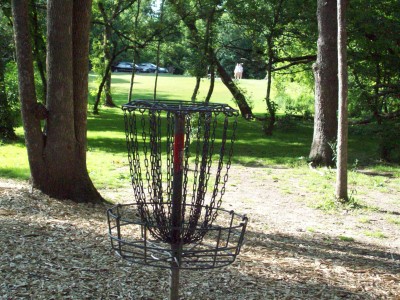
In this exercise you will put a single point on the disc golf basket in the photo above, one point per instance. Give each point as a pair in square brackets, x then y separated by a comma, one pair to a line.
[179, 156]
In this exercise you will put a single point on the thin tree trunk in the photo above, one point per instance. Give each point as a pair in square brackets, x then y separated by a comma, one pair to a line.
[101, 88]
[131, 82]
[326, 86]
[270, 120]
[196, 89]
[107, 74]
[136, 55]
[240, 99]
[212, 84]
[158, 51]
[341, 179]
[39, 50]
[108, 58]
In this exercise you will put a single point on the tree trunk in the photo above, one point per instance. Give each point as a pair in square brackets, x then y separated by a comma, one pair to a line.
[101, 88]
[212, 83]
[58, 160]
[108, 58]
[196, 89]
[270, 120]
[34, 139]
[240, 99]
[39, 49]
[326, 86]
[107, 61]
[341, 178]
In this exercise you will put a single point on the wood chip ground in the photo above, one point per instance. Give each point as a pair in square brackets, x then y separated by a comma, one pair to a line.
[53, 249]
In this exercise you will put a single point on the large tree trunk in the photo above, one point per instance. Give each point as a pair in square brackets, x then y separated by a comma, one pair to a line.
[58, 160]
[341, 178]
[34, 138]
[326, 86]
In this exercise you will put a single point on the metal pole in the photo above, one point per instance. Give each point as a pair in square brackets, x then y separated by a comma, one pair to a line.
[176, 213]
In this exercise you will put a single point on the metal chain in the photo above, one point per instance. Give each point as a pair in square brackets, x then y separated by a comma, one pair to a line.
[145, 149]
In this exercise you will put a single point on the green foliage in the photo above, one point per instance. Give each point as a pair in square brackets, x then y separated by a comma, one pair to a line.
[9, 104]
[389, 141]
[373, 57]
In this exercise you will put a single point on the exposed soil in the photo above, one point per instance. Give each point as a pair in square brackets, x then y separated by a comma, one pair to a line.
[54, 249]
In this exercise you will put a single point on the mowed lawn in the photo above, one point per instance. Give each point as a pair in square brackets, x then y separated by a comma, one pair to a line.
[179, 87]
[107, 156]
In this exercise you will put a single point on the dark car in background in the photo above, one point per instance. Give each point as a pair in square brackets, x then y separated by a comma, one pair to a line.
[151, 68]
[123, 67]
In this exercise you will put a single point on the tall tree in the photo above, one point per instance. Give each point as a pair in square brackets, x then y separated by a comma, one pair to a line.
[187, 12]
[326, 86]
[341, 179]
[275, 38]
[57, 156]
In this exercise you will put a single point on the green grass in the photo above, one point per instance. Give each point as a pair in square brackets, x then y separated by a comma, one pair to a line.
[288, 147]
[346, 238]
[394, 220]
[375, 234]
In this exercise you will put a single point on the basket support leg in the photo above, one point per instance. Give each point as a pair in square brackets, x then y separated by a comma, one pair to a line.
[176, 212]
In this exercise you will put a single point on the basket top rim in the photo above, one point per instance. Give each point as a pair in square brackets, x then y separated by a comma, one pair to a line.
[179, 106]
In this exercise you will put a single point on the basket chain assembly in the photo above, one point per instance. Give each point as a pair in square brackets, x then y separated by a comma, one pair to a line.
[179, 156]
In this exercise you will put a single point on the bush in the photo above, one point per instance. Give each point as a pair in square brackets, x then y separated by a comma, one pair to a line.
[389, 142]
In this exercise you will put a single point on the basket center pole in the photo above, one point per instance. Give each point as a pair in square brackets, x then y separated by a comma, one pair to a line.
[176, 209]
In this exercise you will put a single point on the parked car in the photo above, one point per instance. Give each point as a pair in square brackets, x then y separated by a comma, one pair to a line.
[147, 67]
[151, 68]
[123, 67]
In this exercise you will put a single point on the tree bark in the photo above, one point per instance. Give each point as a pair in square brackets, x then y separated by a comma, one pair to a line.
[212, 84]
[196, 89]
[39, 49]
[85, 191]
[58, 159]
[107, 37]
[240, 99]
[341, 178]
[245, 109]
[34, 139]
[326, 86]
[270, 120]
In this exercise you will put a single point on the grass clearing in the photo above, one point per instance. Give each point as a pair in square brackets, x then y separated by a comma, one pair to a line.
[287, 148]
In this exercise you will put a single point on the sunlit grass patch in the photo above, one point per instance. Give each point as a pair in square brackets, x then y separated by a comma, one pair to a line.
[375, 234]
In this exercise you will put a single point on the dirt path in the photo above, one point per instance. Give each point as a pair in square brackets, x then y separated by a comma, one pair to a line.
[59, 250]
